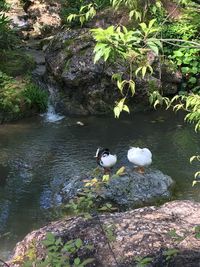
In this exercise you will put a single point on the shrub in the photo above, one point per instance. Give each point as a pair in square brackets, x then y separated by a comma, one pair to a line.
[17, 96]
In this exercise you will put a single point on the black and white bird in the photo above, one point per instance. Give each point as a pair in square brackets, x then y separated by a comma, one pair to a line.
[140, 157]
[105, 159]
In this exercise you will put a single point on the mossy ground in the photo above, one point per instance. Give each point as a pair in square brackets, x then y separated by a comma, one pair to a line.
[16, 62]
[19, 98]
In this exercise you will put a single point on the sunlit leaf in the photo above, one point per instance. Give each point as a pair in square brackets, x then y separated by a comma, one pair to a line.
[121, 171]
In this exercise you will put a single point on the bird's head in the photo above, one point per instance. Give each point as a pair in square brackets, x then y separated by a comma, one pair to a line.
[100, 151]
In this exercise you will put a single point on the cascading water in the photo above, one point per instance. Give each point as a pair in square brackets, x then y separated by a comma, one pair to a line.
[51, 115]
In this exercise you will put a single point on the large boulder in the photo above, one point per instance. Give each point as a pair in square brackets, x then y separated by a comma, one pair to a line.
[87, 88]
[168, 234]
[129, 190]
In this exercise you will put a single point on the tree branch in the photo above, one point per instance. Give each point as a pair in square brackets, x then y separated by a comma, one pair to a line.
[192, 44]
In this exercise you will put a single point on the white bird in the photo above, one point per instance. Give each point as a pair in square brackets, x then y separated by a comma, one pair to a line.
[105, 159]
[140, 157]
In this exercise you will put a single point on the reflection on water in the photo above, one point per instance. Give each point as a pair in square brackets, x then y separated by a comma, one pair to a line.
[36, 158]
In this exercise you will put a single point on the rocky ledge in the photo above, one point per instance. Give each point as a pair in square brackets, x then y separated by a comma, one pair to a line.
[157, 232]
[128, 190]
[87, 88]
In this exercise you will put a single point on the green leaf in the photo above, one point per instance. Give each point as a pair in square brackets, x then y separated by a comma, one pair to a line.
[117, 112]
[153, 47]
[193, 80]
[144, 70]
[77, 261]
[121, 171]
[151, 22]
[82, 20]
[137, 70]
[178, 53]
[126, 108]
[132, 87]
[106, 178]
[87, 261]
[157, 102]
[143, 26]
[78, 243]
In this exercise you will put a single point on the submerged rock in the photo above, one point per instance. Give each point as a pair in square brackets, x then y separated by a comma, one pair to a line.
[130, 190]
[151, 231]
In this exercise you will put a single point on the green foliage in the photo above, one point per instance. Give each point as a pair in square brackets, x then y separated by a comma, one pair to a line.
[170, 253]
[17, 96]
[7, 36]
[109, 230]
[90, 198]
[187, 102]
[16, 62]
[188, 62]
[143, 261]
[85, 13]
[197, 232]
[184, 56]
[60, 254]
[191, 104]
[35, 97]
[197, 174]
[139, 9]
[132, 48]
[175, 236]
[82, 10]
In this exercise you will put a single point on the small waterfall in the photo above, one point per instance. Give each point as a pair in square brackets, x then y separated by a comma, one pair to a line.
[51, 115]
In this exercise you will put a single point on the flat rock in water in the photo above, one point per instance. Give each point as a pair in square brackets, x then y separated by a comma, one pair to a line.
[135, 188]
[129, 190]
[150, 231]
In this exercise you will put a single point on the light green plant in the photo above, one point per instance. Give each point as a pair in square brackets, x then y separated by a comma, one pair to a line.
[190, 103]
[143, 261]
[170, 253]
[85, 13]
[19, 95]
[59, 254]
[132, 48]
[197, 232]
[90, 200]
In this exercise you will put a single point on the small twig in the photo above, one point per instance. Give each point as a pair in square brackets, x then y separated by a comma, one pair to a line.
[107, 241]
[196, 45]
[4, 263]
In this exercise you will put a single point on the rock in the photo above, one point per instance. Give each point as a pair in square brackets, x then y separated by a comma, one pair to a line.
[43, 16]
[87, 88]
[135, 188]
[129, 190]
[149, 231]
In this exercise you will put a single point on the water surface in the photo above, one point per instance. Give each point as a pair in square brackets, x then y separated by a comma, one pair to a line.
[37, 156]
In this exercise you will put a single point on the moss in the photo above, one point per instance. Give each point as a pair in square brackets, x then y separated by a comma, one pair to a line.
[68, 42]
[16, 62]
[20, 98]
[66, 68]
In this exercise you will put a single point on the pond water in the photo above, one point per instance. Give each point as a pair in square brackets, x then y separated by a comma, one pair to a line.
[37, 156]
